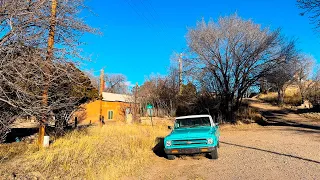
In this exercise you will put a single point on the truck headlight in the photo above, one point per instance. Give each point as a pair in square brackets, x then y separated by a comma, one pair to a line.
[168, 143]
[209, 141]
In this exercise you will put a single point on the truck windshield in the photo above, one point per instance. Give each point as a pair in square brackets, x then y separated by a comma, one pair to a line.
[192, 122]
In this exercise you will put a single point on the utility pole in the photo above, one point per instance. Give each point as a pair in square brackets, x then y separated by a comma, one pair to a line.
[135, 103]
[180, 74]
[47, 70]
[100, 96]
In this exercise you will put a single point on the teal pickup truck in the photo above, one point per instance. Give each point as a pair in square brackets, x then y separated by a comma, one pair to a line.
[193, 135]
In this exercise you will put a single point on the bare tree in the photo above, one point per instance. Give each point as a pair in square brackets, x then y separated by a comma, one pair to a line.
[230, 55]
[116, 83]
[312, 8]
[313, 91]
[162, 92]
[281, 76]
[94, 79]
[24, 26]
[303, 70]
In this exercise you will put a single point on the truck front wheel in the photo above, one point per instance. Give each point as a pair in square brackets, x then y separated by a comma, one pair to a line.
[171, 157]
[214, 153]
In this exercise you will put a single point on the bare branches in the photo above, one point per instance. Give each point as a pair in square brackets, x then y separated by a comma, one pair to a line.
[116, 83]
[230, 55]
[312, 8]
[24, 28]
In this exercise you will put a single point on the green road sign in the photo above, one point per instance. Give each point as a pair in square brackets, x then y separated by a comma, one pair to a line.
[149, 106]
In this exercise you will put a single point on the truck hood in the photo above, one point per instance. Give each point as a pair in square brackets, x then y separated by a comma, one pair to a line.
[191, 133]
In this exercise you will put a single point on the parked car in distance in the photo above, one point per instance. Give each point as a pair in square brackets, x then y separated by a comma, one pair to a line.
[193, 134]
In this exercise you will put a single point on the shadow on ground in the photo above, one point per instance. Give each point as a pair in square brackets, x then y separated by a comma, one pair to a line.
[272, 152]
[311, 110]
[158, 149]
[273, 120]
[20, 133]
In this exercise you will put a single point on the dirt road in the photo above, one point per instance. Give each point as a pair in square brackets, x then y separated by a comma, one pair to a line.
[282, 116]
[284, 150]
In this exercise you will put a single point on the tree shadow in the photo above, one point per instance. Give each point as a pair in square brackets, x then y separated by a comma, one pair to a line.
[310, 110]
[158, 149]
[273, 116]
[287, 123]
[20, 133]
[272, 152]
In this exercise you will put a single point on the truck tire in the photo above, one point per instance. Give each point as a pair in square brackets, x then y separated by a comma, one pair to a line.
[171, 157]
[214, 153]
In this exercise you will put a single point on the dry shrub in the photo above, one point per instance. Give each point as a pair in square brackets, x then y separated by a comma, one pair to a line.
[293, 100]
[271, 97]
[97, 153]
[247, 114]
[292, 97]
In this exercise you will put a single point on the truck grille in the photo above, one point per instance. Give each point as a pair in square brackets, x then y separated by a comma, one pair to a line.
[189, 142]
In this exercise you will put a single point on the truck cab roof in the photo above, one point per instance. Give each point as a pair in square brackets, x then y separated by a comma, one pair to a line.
[193, 116]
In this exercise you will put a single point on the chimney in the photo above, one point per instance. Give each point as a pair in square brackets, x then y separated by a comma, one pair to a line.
[101, 83]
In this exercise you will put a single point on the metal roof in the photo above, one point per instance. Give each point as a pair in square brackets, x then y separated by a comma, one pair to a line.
[112, 97]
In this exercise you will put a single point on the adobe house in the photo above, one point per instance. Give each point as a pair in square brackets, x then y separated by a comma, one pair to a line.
[115, 107]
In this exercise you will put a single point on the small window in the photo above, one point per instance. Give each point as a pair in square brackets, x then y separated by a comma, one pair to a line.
[110, 114]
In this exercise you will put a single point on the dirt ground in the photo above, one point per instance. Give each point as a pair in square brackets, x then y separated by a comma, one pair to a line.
[282, 115]
[288, 147]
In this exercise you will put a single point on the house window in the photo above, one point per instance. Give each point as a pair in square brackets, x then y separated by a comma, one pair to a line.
[110, 114]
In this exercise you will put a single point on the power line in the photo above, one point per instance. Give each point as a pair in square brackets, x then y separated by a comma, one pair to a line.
[141, 16]
[157, 14]
[161, 21]
[148, 21]
[151, 14]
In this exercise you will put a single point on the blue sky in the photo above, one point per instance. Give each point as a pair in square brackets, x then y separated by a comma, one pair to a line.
[139, 36]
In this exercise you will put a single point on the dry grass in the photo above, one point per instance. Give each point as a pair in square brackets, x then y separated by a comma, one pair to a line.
[166, 121]
[270, 97]
[247, 114]
[10, 151]
[97, 153]
[239, 126]
[292, 96]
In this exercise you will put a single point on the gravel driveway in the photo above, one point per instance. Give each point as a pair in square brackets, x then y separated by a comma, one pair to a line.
[257, 152]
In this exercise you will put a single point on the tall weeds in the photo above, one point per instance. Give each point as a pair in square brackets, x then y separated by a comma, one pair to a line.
[96, 153]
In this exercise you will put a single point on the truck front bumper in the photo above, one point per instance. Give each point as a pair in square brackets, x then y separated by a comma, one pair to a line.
[189, 150]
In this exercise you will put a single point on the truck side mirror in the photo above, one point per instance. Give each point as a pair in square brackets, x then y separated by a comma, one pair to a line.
[169, 127]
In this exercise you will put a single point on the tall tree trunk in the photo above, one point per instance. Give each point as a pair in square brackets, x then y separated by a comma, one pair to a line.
[280, 96]
[301, 87]
[230, 115]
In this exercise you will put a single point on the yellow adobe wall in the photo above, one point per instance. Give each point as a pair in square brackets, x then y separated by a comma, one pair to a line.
[92, 110]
